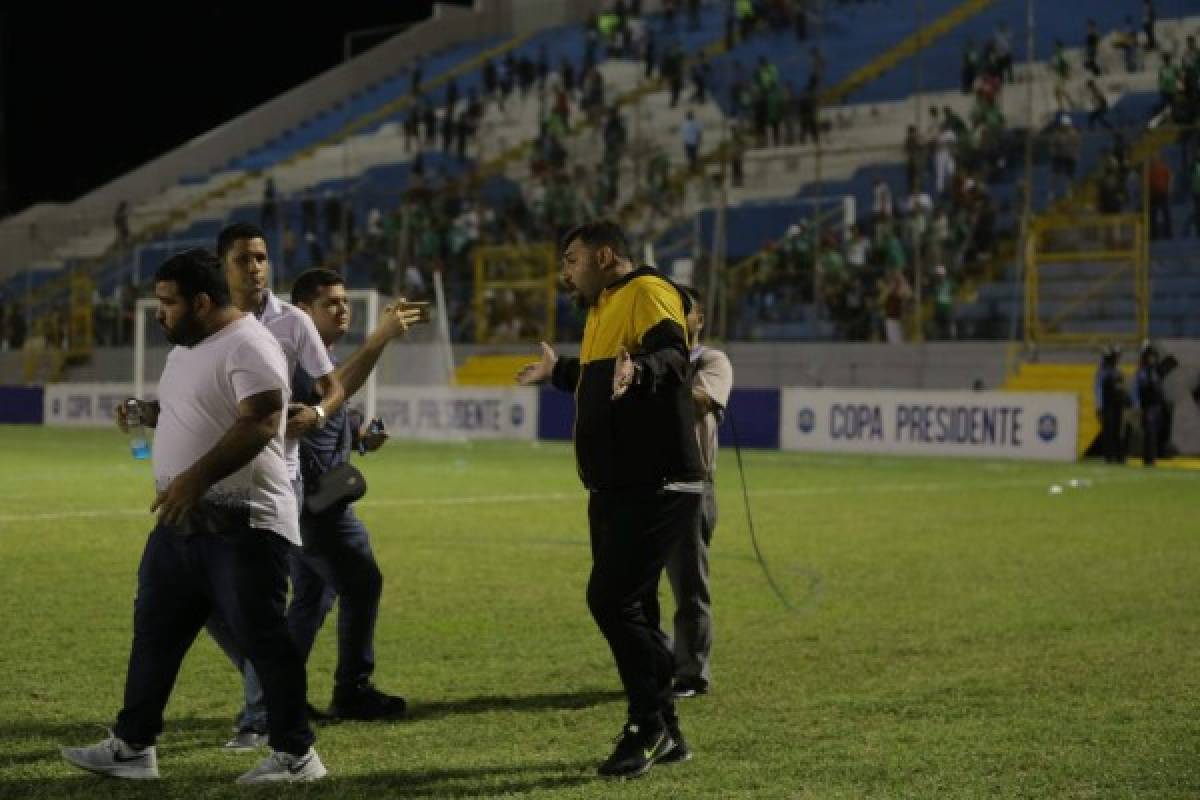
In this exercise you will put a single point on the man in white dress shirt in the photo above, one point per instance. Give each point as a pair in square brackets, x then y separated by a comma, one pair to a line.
[242, 249]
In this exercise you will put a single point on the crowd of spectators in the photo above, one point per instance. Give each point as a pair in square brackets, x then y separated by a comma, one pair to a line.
[862, 275]
[861, 279]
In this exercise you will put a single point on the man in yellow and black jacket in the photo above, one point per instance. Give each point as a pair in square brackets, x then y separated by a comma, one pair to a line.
[637, 454]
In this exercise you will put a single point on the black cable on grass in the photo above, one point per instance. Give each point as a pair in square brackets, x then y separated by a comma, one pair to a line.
[814, 579]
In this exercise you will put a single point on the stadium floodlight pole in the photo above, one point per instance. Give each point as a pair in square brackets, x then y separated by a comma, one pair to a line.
[815, 228]
[697, 243]
[715, 253]
[4, 191]
[636, 145]
[139, 350]
[716, 263]
[918, 239]
[1022, 259]
[29, 300]
[348, 53]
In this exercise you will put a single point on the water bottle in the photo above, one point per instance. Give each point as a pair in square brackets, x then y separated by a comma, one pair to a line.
[139, 445]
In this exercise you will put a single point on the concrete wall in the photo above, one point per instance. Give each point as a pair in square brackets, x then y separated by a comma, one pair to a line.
[939, 365]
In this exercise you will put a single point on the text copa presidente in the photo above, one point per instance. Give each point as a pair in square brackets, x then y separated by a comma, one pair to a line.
[933, 424]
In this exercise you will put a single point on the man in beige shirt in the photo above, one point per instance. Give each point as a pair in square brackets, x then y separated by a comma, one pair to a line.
[687, 568]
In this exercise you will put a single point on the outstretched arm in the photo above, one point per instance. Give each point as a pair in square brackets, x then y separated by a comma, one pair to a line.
[396, 321]
[561, 372]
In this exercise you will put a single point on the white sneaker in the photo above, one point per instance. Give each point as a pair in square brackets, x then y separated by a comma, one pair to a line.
[113, 757]
[246, 740]
[284, 767]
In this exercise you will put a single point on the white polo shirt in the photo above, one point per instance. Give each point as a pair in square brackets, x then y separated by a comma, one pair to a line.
[713, 374]
[198, 393]
[302, 345]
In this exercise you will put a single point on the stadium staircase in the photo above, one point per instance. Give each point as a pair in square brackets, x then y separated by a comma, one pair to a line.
[492, 370]
[1076, 379]
[1108, 308]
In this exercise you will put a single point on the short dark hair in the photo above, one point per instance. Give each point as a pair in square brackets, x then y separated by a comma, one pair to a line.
[694, 293]
[600, 233]
[232, 233]
[310, 282]
[196, 271]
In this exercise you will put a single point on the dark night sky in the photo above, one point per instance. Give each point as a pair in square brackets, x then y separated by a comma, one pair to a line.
[92, 91]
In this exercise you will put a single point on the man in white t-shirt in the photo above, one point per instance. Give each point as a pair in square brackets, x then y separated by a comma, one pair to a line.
[242, 249]
[687, 567]
[226, 520]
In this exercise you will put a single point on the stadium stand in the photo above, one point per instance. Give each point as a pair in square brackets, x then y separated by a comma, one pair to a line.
[390, 181]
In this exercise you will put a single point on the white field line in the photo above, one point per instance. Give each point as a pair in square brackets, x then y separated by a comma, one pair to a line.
[730, 484]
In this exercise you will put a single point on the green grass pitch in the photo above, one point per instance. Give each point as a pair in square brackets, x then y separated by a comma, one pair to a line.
[959, 631]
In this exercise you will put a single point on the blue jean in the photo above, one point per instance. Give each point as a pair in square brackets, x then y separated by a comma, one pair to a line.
[336, 562]
[253, 716]
[238, 576]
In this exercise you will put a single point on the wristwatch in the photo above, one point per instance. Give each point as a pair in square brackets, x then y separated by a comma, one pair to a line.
[321, 416]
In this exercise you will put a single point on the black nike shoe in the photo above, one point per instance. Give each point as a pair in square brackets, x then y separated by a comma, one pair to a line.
[366, 703]
[638, 747]
[689, 687]
[679, 751]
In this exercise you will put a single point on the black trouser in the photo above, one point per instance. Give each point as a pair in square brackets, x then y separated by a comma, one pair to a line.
[1152, 419]
[336, 561]
[1110, 434]
[687, 571]
[242, 576]
[633, 533]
